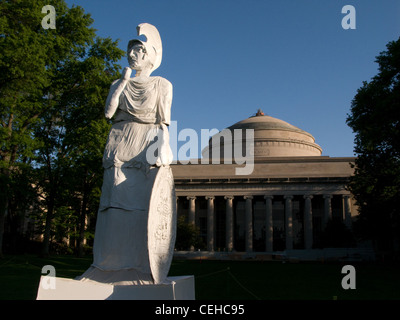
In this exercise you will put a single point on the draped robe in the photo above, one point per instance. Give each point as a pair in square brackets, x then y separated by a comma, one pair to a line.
[120, 252]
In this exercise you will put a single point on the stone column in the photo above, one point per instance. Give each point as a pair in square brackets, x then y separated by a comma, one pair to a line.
[347, 211]
[210, 223]
[229, 222]
[249, 224]
[269, 228]
[192, 210]
[192, 213]
[327, 210]
[308, 227]
[288, 222]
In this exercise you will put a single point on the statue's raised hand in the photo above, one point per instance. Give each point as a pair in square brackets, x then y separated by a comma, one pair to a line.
[115, 91]
[126, 73]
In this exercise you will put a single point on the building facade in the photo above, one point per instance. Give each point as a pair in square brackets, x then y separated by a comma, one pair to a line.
[285, 202]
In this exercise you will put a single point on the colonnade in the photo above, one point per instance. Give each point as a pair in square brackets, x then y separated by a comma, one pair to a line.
[288, 212]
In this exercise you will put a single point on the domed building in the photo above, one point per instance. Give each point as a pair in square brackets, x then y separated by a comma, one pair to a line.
[272, 138]
[262, 188]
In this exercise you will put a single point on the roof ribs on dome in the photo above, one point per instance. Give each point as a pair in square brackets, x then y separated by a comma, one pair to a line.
[283, 138]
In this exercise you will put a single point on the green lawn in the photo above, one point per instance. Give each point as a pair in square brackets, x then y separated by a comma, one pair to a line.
[229, 280]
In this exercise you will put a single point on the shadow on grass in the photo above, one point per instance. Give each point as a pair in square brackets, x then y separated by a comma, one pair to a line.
[243, 280]
[224, 280]
[20, 274]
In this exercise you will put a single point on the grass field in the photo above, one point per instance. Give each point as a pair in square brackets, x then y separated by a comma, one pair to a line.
[225, 280]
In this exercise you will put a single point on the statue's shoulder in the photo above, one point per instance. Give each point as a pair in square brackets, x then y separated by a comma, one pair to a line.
[164, 83]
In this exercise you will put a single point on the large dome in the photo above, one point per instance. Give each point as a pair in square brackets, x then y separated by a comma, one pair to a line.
[272, 138]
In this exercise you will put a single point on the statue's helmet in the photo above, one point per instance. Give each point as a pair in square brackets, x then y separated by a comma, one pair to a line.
[153, 44]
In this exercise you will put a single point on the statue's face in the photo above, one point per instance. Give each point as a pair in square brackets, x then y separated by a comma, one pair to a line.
[138, 57]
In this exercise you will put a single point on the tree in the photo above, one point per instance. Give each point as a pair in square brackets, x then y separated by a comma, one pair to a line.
[375, 119]
[53, 84]
[187, 235]
[336, 235]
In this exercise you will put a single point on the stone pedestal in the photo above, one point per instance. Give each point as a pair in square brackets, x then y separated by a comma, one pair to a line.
[54, 288]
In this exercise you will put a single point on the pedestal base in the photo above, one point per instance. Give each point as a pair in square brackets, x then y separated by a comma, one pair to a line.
[179, 288]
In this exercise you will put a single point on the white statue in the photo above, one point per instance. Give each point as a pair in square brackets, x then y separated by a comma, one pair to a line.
[141, 107]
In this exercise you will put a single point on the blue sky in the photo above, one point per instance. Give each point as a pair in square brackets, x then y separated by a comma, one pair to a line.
[227, 58]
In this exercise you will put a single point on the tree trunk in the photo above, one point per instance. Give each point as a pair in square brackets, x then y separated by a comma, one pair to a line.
[50, 212]
[82, 225]
[47, 230]
[3, 214]
[5, 175]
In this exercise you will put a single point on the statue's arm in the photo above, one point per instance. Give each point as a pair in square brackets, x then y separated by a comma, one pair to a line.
[169, 99]
[166, 101]
[166, 155]
[115, 91]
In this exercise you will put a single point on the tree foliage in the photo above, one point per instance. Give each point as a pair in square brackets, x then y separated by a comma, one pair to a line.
[53, 86]
[187, 235]
[375, 119]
